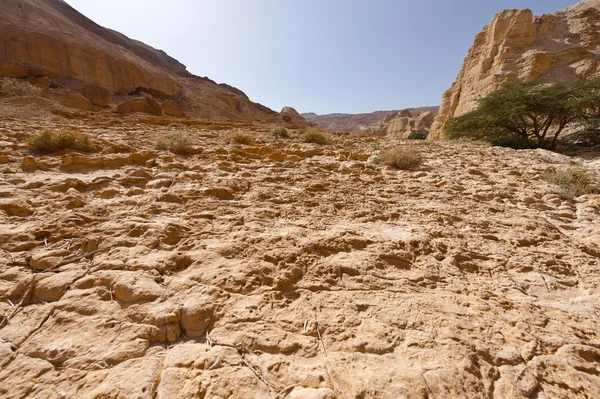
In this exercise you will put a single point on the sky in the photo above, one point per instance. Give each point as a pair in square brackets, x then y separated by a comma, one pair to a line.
[323, 56]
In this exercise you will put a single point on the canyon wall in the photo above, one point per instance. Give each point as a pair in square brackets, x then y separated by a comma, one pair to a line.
[516, 45]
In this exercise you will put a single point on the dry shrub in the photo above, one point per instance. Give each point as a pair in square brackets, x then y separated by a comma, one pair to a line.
[177, 143]
[15, 87]
[402, 159]
[48, 141]
[280, 132]
[573, 182]
[315, 136]
[243, 138]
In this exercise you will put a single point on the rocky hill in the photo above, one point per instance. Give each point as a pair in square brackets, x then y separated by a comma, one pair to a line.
[51, 44]
[355, 123]
[402, 124]
[516, 45]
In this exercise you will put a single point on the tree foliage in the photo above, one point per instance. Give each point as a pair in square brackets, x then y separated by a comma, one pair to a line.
[525, 114]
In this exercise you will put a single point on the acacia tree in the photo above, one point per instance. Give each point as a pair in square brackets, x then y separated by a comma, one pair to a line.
[530, 112]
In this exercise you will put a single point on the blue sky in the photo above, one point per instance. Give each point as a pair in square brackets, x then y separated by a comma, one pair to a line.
[324, 56]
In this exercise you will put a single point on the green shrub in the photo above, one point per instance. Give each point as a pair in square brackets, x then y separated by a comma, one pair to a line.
[315, 136]
[399, 158]
[280, 132]
[177, 143]
[48, 141]
[15, 87]
[243, 138]
[573, 182]
[418, 135]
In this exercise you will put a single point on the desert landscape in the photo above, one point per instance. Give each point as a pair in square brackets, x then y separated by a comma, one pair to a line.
[187, 242]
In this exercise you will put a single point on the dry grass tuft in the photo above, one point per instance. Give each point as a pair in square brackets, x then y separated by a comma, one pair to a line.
[243, 138]
[15, 87]
[177, 143]
[48, 141]
[402, 159]
[573, 182]
[280, 132]
[315, 136]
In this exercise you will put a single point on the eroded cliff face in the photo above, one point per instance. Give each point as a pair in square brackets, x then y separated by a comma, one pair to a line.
[402, 124]
[516, 45]
[48, 38]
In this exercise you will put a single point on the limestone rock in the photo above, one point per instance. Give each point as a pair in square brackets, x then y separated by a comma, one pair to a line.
[288, 115]
[144, 104]
[171, 108]
[68, 98]
[197, 315]
[516, 45]
[16, 207]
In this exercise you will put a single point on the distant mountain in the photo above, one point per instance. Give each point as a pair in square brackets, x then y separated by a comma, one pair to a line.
[356, 123]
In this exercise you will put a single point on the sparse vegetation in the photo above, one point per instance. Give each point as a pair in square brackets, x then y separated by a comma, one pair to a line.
[417, 136]
[573, 182]
[48, 141]
[16, 87]
[177, 143]
[315, 136]
[280, 132]
[377, 159]
[288, 165]
[524, 114]
[243, 138]
[400, 158]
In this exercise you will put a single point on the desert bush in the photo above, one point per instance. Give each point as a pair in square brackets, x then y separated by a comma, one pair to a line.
[280, 132]
[48, 141]
[15, 87]
[530, 111]
[573, 182]
[402, 159]
[243, 138]
[315, 136]
[177, 143]
[417, 136]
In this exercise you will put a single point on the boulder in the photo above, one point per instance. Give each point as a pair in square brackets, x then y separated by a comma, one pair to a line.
[97, 95]
[14, 71]
[144, 104]
[171, 108]
[68, 98]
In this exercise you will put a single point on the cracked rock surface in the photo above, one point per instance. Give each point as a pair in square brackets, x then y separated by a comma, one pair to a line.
[284, 269]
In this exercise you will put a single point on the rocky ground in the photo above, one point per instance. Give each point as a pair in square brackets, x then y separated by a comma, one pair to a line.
[284, 269]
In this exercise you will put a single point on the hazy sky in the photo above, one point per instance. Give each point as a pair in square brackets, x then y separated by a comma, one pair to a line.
[315, 55]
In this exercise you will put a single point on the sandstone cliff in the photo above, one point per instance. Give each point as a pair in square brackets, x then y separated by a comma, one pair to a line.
[48, 38]
[516, 45]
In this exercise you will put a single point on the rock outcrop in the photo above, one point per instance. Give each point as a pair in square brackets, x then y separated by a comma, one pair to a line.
[288, 116]
[356, 123]
[143, 104]
[516, 45]
[48, 38]
[402, 124]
